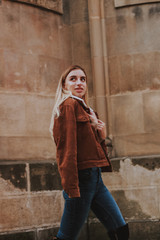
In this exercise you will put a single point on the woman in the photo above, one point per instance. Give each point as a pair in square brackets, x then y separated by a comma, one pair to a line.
[79, 136]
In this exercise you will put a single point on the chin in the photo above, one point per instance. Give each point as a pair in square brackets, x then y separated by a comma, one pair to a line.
[78, 95]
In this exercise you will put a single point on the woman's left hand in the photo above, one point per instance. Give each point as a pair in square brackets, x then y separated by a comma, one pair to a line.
[98, 125]
[93, 119]
[102, 129]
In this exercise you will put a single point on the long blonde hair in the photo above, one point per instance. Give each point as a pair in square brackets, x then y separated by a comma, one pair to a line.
[62, 95]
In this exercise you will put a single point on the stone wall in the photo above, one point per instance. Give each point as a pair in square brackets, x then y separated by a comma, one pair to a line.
[33, 54]
[36, 46]
[132, 35]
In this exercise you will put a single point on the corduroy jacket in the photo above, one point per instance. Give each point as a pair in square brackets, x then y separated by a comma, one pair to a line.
[78, 145]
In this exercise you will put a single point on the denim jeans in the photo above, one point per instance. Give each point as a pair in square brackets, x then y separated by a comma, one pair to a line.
[94, 196]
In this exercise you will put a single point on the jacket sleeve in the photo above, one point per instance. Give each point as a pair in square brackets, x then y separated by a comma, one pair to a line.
[65, 130]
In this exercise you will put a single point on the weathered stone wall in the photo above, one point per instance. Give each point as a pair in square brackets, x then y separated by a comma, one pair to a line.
[36, 46]
[133, 50]
[30, 198]
[135, 186]
[132, 35]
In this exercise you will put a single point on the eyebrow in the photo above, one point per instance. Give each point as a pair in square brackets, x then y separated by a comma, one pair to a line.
[76, 76]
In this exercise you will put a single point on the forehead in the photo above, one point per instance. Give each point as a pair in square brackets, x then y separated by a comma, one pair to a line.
[76, 72]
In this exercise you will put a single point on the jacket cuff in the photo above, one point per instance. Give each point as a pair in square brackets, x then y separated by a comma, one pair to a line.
[73, 192]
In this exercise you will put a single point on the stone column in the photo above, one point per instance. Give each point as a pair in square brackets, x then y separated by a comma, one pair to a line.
[99, 56]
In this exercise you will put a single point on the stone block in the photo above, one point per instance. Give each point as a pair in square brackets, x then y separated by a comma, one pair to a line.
[141, 68]
[133, 173]
[114, 73]
[144, 230]
[159, 199]
[44, 31]
[12, 115]
[10, 22]
[21, 71]
[78, 11]
[126, 73]
[80, 42]
[97, 231]
[15, 70]
[65, 40]
[30, 210]
[2, 82]
[127, 28]
[49, 74]
[44, 176]
[15, 175]
[55, 6]
[52, 209]
[38, 111]
[110, 9]
[114, 180]
[151, 111]
[27, 148]
[136, 144]
[127, 114]
[130, 173]
[66, 12]
[138, 203]
[134, 72]
[122, 3]
[28, 235]
[46, 233]
[151, 163]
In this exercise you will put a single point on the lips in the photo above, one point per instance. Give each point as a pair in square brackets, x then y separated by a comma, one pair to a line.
[79, 89]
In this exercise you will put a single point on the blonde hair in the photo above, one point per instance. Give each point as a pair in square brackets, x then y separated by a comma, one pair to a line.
[62, 95]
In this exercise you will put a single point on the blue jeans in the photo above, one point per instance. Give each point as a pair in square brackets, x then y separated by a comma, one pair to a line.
[94, 196]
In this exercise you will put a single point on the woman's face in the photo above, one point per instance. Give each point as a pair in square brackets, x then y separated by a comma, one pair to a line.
[76, 83]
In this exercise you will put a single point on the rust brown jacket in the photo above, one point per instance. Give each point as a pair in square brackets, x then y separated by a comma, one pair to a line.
[78, 145]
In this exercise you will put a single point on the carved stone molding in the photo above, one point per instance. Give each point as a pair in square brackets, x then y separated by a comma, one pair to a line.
[123, 3]
[53, 5]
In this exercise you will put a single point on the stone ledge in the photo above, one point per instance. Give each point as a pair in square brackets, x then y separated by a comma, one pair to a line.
[123, 3]
[53, 5]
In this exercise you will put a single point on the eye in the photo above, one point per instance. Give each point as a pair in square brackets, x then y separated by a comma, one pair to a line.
[73, 79]
[83, 79]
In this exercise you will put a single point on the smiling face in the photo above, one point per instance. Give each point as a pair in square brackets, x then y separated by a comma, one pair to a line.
[76, 83]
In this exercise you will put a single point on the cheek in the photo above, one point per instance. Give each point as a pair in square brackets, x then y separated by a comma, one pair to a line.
[85, 87]
[69, 85]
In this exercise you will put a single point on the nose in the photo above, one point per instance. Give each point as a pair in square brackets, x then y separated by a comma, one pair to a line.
[79, 81]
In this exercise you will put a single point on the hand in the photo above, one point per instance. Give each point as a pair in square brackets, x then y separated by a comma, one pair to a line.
[102, 129]
[98, 125]
[93, 119]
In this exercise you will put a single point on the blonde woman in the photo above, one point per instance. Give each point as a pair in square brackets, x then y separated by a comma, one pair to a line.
[79, 136]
